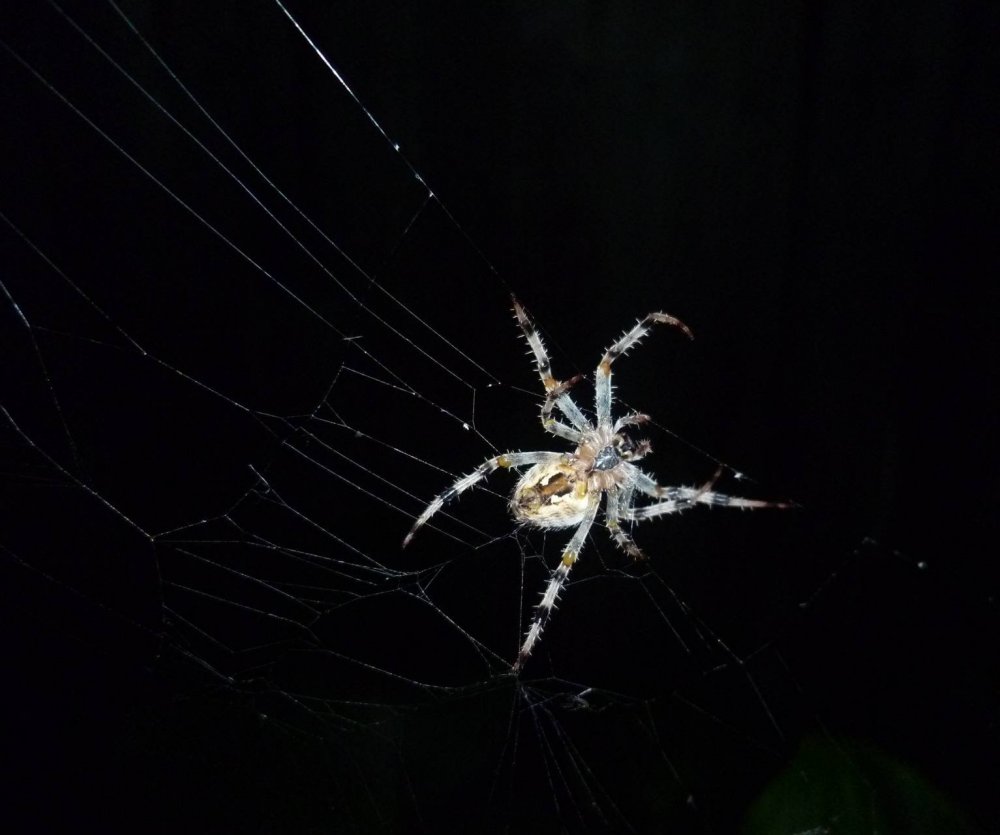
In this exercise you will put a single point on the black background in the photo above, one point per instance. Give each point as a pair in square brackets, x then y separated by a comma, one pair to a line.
[809, 186]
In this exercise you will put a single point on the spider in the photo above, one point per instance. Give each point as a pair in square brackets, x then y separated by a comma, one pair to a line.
[564, 489]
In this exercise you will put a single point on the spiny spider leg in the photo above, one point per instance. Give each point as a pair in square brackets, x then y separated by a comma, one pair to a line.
[642, 447]
[544, 366]
[506, 461]
[681, 498]
[549, 423]
[618, 499]
[602, 377]
[634, 419]
[648, 486]
[545, 607]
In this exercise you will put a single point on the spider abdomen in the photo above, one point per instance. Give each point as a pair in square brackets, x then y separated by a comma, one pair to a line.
[552, 494]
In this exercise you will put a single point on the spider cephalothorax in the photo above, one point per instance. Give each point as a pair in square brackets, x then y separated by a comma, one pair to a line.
[564, 489]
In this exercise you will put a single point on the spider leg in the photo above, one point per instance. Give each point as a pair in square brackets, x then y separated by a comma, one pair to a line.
[681, 498]
[640, 448]
[549, 423]
[627, 340]
[561, 430]
[506, 461]
[546, 606]
[634, 419]
[544, 366]
[619, 500]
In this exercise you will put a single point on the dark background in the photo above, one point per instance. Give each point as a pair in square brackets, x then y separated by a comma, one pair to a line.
[809, 186]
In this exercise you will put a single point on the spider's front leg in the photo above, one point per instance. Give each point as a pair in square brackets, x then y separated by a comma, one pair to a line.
[557, 580]
[602, 379]
[549, 423]
[506, 461]
[556, 392]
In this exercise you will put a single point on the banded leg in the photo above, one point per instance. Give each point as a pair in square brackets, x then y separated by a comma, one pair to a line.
[617, 501]
[634, 419]
[681, 498]
[547, 605]
[549, 423]
[544, 366]
[628, 340]
[510, 459]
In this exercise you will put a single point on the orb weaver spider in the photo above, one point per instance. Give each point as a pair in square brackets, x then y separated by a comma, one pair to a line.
[565, 489]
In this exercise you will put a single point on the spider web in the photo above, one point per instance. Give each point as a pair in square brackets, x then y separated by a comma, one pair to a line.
[249, 342]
